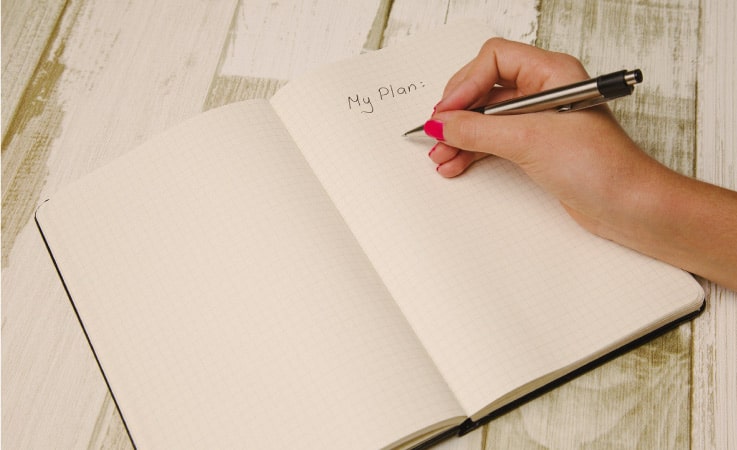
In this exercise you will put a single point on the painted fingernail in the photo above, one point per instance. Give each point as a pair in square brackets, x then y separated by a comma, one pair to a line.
[432, 149]
[434, 128]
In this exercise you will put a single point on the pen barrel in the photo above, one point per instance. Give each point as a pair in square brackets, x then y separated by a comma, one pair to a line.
[550, 99]
[572, 97]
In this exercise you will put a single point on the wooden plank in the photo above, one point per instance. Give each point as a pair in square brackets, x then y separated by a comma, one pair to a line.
[281, 40]
[67, 90]
[634, 401]
[114, 74]
[656, 37]
[510, 19]
[623, 404]
[271, 43]
[53, 394]
[27, 28]
[714, 397]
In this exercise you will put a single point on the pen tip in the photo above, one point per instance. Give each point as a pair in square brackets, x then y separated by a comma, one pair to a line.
[414, 130]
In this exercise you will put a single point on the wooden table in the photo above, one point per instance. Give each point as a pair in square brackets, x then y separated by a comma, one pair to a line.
[84, 81]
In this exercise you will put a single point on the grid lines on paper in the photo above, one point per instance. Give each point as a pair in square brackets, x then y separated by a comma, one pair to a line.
[223, 292]
[499, 283]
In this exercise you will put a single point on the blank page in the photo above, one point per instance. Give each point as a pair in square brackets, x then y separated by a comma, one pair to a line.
[501, 286]
[228, 304]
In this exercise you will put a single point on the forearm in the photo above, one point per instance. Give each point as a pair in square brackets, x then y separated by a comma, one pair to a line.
[682, 221]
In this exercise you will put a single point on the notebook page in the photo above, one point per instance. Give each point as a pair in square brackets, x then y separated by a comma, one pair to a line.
[228, 304]
[502, 287]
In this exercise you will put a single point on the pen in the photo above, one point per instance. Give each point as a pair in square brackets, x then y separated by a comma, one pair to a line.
[572, 97]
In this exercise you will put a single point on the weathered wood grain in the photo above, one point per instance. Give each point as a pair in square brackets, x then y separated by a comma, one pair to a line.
[609, 407]
[656, 37]
[714, 391]
[27, 98]
[510, 19]
[26, 27]
[271, 43]
[661, 38]
[281, 40]
[113, 74]
[84, 81]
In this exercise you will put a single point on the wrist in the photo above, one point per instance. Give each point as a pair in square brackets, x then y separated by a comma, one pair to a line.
[641, 206]
[681, 221]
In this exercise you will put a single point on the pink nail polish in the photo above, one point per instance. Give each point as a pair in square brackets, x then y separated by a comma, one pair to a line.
[432, 149]
[434, 128]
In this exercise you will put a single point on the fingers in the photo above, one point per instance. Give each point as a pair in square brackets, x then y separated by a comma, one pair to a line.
[442, 153]
[451, 161]
[500, 62]
[502, 70]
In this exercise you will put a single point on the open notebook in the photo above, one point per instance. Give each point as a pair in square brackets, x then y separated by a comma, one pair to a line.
[294, 273]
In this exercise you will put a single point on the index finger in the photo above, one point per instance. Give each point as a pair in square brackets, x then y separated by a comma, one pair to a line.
[524, 68]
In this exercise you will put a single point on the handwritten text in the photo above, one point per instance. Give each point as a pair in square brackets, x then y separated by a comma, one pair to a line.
[365, 103]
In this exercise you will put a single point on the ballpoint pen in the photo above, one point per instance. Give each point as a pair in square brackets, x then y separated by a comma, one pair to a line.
[573, 97]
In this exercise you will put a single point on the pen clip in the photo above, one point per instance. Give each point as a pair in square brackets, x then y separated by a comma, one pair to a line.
[583, 104]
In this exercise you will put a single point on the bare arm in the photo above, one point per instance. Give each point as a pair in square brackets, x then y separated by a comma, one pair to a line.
[603, 179]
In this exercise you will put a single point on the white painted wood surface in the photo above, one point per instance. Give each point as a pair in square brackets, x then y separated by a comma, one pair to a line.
[85, 81]
[114, 74]
[26, 27]
[714, 390]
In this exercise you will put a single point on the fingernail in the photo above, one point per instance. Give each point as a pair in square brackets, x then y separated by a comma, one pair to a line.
[434, 128]
[432, 149]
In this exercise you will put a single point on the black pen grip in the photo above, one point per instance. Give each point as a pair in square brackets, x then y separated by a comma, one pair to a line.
[615, 84]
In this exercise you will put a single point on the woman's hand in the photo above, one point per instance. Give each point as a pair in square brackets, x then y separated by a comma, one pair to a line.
[603, 179]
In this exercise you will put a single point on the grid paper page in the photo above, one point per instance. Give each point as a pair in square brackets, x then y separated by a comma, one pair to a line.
[501, 286]
[228, 304]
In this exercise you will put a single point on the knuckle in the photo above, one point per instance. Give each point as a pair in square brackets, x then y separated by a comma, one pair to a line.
[563, 62]
[491, 44]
